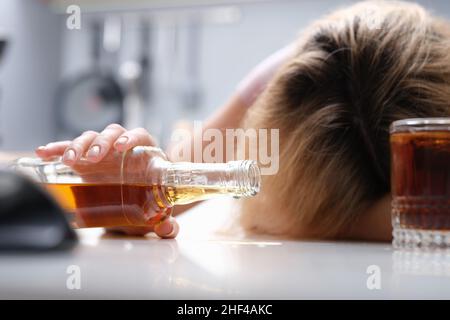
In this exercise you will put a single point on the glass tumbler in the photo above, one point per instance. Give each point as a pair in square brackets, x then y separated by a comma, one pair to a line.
[420, 180]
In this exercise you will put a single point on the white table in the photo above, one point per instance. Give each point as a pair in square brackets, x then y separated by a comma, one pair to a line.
[204, 264]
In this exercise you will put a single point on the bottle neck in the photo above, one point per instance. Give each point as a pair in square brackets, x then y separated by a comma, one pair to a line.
[205, 180]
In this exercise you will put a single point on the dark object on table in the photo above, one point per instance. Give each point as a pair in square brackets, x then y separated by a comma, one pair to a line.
[3, 42]
[3, 45]
[29, 219]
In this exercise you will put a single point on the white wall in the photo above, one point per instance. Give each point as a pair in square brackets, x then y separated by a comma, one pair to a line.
[28, 73]
[43, 51]
[227, 53]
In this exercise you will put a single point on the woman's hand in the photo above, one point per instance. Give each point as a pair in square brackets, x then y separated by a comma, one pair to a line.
[166, 229]
[94, 147]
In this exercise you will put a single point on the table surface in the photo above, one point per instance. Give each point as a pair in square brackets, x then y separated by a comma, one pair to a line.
[203, 262]
[207, 262]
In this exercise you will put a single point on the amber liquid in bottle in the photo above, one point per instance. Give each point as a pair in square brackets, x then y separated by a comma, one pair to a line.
[421, 180]
[107, 205]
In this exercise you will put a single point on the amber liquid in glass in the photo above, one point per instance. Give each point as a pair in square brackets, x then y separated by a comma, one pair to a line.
[421, 180]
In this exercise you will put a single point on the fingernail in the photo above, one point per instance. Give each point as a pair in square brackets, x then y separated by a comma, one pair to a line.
[40, 148]
[94, 152]
[69, 155]
[122, 141]
[165, 227]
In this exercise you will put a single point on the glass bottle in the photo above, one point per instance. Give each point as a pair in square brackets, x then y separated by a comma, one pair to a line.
[138, 187]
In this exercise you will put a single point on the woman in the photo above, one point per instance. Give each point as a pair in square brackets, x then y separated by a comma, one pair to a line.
[333, 95]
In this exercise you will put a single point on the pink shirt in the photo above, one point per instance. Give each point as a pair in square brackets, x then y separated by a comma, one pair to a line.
[256, 81]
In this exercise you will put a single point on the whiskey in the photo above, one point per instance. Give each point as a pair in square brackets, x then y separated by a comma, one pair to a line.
[138, 187]
[107, 205]
[420, 180]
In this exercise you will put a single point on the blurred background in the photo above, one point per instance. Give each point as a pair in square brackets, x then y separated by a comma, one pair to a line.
[143, 63]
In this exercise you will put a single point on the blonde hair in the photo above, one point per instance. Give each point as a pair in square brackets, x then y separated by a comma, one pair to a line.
[353, 73]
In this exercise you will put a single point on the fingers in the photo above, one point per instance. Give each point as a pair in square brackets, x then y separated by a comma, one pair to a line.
[95, 146]
[103, 142]
[78, 147]
[52, 149]
[167, 228]
[133, 138]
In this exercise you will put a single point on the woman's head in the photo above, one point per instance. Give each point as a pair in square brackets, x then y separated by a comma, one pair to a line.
[353, 73]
